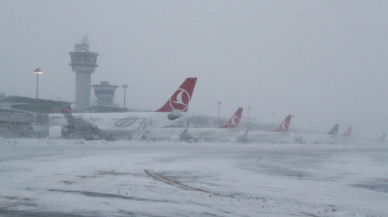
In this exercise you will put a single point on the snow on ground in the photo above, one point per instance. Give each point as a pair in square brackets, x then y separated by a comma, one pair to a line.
[109, 179]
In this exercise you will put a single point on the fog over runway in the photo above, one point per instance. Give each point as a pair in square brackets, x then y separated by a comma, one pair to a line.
[43, 177]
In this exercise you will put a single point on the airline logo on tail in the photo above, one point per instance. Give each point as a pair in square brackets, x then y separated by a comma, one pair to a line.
[284, 125]
[180, 100]
[348, 132]
[234, 121]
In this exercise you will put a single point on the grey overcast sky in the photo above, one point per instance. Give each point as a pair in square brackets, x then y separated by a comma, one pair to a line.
[319, 60]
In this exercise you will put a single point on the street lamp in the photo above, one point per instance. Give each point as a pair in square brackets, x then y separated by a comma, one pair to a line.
[37, 71]
[218, 119]
[124, 86]
[249, 120]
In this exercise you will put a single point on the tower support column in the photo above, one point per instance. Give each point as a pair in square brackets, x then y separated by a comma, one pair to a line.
[82, 90]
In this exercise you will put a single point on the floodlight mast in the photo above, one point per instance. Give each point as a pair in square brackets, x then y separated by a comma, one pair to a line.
[37, 71]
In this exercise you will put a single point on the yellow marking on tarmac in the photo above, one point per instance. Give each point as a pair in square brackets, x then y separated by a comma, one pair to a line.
[97, 174]
[68, 182]
[88, 177]
[156, 176]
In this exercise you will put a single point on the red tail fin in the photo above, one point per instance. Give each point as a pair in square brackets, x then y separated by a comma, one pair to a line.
[234, 121]
[382, 138]
[284, 126]
[181, 98]
[68, 110]
[348, 132]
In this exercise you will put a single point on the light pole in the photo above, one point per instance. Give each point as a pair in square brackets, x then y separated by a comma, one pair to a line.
[249, 120]
[218, 119]
[273, 118]
[124, 86]
[37, 71]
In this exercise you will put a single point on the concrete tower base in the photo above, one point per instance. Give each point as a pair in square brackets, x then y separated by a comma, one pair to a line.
[82, 90]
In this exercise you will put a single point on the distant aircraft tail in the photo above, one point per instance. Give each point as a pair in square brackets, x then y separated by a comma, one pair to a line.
[68, 116]
[382, 138]
[348, 132]
[284, 126]
[68, 110]
[334, 130]
[180, 100]
[234, 121]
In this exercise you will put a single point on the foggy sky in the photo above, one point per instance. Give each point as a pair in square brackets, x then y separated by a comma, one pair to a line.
[323, 61]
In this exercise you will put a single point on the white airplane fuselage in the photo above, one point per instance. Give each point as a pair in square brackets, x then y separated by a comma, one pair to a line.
[117, 122]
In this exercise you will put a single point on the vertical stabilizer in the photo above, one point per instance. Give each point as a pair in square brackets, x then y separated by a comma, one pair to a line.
[180, 100]
[348, 132]
[68, 110]
[284, 126]
[334, 130]
[234, 121]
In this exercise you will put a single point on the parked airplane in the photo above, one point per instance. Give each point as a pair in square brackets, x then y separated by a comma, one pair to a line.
[330, 137]
[348, 132]
[278, 135]
[103, 125]
[176, 134]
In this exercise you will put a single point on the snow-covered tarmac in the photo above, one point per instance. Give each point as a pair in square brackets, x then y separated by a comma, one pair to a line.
[43, 177]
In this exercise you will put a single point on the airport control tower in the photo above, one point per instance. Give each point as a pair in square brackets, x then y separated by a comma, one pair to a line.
[104, 93]
[83, 63]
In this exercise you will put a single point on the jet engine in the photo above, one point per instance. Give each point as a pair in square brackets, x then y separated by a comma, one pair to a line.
[174, 115]
[175, 138]
[59, 131]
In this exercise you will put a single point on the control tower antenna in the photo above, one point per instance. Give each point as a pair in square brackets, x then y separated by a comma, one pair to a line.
[83, 63]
